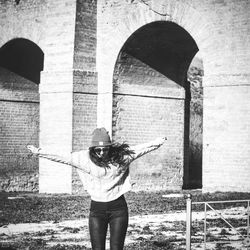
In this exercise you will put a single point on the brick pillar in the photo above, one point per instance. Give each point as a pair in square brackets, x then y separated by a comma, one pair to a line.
[105, 99]
[84, 116]
[56, 93]
[226, 119]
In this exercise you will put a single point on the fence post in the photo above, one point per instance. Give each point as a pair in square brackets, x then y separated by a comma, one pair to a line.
[188, 221]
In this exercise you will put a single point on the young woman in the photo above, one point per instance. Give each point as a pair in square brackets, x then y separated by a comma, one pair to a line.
[104, 171]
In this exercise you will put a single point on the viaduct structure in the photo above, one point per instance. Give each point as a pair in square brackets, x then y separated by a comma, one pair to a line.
[142, 69]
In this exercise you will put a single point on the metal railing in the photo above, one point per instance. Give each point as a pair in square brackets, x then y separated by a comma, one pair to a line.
[207, 204]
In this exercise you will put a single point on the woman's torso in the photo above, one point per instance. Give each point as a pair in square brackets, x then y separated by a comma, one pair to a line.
[103, 183]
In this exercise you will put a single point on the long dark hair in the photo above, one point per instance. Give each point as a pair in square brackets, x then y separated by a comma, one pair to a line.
[117, 155]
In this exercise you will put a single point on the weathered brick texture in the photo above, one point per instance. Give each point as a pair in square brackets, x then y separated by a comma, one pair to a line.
[55, 138]
[83, 84]
[85, 35]
[19, 126]
[84, 122]
[147, 106]
[221, 31]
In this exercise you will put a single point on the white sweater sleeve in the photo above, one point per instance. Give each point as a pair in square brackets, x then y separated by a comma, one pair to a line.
[142, 149]
[74, 160]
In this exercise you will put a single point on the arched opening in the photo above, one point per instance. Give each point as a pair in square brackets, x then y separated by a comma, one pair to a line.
[21, 62]
[165, 47]
[22, 57]
[152, 97]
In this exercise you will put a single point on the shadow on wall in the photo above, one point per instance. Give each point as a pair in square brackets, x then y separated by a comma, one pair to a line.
[22, 57]
[195, 74]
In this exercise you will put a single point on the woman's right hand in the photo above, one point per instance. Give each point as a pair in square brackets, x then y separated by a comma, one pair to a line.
[33, 149]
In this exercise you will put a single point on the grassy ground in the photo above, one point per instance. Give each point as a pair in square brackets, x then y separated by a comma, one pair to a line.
[32, 207]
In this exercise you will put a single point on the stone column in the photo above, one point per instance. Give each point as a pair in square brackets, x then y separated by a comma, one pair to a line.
[226, 141]
[56, 92]
[105, 99]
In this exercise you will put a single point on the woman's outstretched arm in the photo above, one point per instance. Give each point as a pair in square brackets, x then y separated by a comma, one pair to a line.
[142, 149]
[39, 152]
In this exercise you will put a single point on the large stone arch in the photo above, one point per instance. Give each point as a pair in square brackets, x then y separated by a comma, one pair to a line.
[151, 98]
[136, 17]
[226, 77]
[57, 27]
[120, 29]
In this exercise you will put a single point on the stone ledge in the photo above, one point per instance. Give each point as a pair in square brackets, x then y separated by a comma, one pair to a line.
[151, 91]
[226, 80]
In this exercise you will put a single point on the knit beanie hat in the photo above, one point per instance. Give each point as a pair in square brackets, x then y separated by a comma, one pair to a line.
[100, 138]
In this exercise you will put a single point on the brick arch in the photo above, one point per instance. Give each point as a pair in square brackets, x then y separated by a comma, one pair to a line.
[19, 113]
[165, 47]
[26, 20]
[142, 15]
[22, 57]
[180, 13]
[35, 35]
[134, 17]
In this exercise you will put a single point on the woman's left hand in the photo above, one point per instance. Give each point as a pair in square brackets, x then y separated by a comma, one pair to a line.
[33, 149]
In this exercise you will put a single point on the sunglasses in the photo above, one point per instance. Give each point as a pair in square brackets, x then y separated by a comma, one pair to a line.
[102, 149]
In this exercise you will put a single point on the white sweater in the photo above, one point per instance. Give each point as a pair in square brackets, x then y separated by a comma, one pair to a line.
[104, 184]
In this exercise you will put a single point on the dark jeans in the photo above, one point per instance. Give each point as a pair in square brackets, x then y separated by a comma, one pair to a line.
[114, 214]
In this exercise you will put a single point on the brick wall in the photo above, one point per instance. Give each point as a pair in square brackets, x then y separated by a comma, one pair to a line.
[58, 35]
[84, 81]
[147, 105]
[84, 116]
[19, 126]
[19, 99]
[75, 41]
[226, 144]
[221, 31]
[24, 20]
[85, 35]
[84, 108]
[50, 25]
[84, 122]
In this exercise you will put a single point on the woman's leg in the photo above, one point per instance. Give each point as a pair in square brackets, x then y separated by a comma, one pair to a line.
[98, 225]
[118, 228]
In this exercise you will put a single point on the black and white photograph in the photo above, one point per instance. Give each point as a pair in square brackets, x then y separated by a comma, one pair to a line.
[125, 124]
